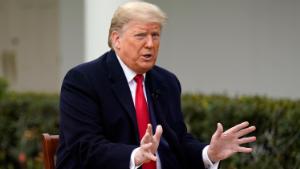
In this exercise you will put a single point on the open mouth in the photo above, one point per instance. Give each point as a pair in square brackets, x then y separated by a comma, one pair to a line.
[147, 55]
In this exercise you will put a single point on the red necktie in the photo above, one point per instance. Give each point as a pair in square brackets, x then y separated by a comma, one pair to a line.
[142, 114]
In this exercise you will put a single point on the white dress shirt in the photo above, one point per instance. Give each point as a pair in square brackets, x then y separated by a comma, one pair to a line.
[130, 74]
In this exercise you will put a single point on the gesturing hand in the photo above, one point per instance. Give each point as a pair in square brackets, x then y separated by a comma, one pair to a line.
[149, 145]
[225, 144]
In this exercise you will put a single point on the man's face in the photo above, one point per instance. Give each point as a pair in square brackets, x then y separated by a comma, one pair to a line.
[138, 44]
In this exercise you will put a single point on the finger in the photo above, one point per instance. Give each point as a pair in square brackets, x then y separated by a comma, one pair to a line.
[145, 154]
[146, 147]
[149, 129]
[237, 128]
[158, 133]
[244, 150]
[146, 138]
[246, 140]
[150, 156]
[219, 131]
[245, 131]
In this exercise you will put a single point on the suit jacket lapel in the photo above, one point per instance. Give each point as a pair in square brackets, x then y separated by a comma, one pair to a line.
[157, 90]
[120, 87]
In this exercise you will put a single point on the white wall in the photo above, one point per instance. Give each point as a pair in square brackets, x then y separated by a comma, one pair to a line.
[83, 30]
[233, 46]
[98, 15]
[71, 29]
[29, 30]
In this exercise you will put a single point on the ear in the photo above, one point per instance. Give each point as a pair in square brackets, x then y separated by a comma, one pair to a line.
[115, 39]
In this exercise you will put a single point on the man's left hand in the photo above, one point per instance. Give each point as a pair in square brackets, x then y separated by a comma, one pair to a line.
[225, 144]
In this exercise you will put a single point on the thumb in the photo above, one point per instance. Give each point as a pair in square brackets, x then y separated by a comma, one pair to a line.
[146, 138]
[158, 133]
[219, 130]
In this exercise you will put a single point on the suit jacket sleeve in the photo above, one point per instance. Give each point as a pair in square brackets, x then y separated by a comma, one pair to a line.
[83, 136]
[191, 147]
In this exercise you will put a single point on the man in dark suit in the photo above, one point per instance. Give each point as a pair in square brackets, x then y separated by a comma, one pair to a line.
[109, 105]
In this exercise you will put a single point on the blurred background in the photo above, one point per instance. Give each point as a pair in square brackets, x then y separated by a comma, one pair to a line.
[236, 60]
[232, 46]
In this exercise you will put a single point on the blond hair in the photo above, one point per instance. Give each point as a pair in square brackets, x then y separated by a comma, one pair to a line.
[135, 11]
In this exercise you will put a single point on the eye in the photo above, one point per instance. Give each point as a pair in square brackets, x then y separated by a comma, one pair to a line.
[155, 35]
[140, 35]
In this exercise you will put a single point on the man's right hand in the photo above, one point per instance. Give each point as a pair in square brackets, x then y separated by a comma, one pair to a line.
[149, 144]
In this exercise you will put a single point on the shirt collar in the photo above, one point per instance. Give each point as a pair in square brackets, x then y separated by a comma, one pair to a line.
[129, 73]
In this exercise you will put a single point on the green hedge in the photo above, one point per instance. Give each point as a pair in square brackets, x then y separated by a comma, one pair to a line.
[24, 116]
[277, 122]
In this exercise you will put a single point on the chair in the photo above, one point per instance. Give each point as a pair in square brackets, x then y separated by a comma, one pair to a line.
[50, 144]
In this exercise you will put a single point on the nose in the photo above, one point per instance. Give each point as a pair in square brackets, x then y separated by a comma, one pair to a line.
[149, 42]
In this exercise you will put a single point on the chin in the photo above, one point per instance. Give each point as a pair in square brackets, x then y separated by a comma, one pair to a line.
[144, 70]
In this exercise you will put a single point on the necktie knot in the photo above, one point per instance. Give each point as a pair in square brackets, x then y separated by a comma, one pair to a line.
[139, 78]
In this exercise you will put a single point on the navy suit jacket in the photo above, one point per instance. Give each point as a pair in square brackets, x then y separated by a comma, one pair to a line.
[98, 127]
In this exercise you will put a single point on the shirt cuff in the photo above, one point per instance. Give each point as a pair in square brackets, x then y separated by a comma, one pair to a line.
[132, 164]
[207, 162]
